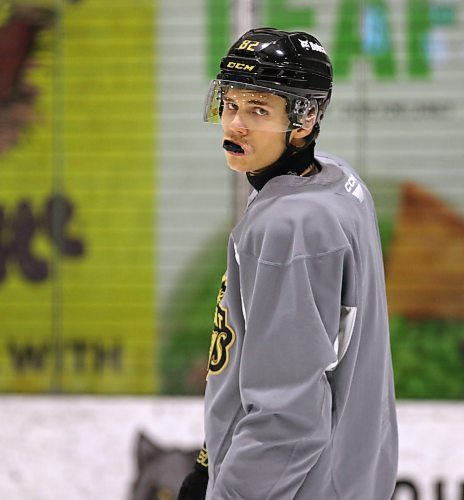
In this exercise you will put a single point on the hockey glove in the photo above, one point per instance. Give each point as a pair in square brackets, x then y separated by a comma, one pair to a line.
[195, 484]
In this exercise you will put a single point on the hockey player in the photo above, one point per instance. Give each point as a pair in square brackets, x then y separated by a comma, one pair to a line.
[299, 401]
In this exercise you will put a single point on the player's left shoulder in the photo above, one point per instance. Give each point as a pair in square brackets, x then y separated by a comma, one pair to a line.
[349, 183]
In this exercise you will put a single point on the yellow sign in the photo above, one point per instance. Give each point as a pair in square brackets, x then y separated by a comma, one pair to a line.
[77, 204]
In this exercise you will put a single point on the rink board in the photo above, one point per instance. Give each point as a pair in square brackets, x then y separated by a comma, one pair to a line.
[84, 447]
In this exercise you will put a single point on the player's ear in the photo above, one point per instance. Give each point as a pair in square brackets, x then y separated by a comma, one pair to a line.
[297, 137]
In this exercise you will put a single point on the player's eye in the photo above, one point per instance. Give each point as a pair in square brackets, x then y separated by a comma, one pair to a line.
[261, 111]
[231, 106]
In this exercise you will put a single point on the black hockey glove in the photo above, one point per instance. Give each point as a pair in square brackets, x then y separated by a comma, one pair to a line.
[195, 484]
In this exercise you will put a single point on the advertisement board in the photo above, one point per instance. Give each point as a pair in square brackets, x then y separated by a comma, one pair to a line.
[77, 197]
[396, 115]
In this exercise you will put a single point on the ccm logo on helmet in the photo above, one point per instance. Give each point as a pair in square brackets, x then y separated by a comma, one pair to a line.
[237, 65]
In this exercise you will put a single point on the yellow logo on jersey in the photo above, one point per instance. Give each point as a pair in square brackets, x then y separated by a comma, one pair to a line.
[203, 457]
[223, 336]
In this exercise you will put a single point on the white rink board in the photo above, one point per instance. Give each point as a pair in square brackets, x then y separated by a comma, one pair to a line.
[431, 450]
[82, 448]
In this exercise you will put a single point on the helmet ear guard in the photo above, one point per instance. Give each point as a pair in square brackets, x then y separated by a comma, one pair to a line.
[303, 112]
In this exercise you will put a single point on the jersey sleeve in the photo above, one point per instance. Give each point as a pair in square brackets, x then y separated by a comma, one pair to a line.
[292, 315]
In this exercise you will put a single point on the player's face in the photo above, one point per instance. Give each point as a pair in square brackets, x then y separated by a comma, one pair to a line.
[253, 129]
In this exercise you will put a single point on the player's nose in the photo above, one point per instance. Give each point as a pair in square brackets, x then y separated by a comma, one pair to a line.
[238, 124]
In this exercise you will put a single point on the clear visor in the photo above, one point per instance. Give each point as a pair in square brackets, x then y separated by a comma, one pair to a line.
[256, 107]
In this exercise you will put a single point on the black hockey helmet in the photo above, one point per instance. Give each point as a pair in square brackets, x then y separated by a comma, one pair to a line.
[293, 65]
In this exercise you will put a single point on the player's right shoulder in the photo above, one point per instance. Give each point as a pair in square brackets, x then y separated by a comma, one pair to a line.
[280, 228]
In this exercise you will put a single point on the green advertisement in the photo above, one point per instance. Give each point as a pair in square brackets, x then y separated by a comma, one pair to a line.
[362, 29]
[396, 116]
[77, 196]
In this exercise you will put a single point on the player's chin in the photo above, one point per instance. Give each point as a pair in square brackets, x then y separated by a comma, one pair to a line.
[237, 163]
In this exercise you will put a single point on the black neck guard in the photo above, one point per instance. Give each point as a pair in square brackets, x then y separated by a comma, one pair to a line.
[294, 161]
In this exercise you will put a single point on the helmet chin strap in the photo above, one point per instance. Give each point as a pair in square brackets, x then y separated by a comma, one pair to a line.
[293, 161]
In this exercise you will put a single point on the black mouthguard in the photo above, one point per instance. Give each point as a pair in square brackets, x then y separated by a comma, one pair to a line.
[232, 147]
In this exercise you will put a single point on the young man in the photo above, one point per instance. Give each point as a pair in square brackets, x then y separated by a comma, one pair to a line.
[299, 401]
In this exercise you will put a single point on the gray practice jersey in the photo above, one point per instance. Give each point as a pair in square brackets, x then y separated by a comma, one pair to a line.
[299, 401]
